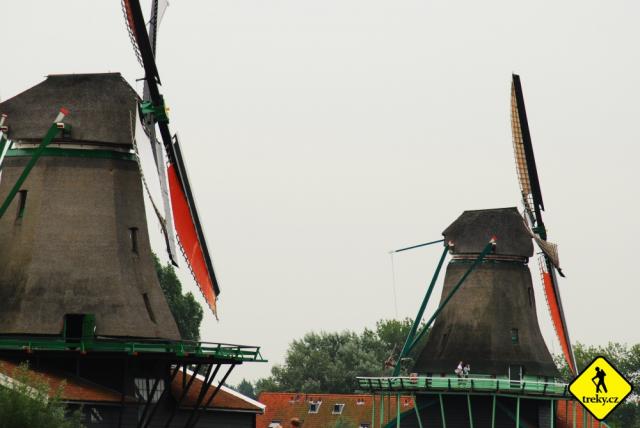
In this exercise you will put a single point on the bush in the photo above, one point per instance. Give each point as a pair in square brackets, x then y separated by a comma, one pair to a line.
[26, 401]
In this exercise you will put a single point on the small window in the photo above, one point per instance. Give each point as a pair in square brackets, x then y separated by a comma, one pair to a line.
[95, 415]
[337, 409]
[22, 203]
[360, 402]
[314, 406]
[133, 233]
[364, 425]
[147, 304]
[275, 424]
[144, 386]
[514, 336]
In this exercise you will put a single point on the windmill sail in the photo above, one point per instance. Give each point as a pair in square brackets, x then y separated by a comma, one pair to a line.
[532, 199]
[188, 227]
[148, 122]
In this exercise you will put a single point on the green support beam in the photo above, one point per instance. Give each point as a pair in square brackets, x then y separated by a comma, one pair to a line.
[415, 407]
[381, 410]
[51, 133]
[423, 306]
[397, 410]
[552, 421]
[487, 249]
[493, 413]
[518, 412]
[444, 419]
[373, 411]
[470, 412]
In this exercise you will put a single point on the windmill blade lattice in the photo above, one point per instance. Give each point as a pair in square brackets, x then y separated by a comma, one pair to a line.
[532, 199]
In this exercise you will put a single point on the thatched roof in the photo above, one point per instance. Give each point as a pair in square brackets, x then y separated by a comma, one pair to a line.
[472, 231]
[101, 105]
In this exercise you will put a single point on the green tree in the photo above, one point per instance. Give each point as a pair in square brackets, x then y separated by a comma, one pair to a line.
[627, 360]
[245, 388]
[27, 402]
[185, 309]
[330, 362]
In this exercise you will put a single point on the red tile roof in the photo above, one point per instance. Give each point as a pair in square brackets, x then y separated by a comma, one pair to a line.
[282, 406]
[74, 389]
[226, 398]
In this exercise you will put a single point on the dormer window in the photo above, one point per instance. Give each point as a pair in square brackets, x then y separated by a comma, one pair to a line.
[314, 406]
[337, 409]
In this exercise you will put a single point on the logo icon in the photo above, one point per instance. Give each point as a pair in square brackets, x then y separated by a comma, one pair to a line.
[600, 388]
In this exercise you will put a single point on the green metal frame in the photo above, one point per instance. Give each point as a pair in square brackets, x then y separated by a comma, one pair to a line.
[73, 153]
[454, 384]
[406, 348]
[51, 133]
[487, 249]
[439, 401]
[86, 345]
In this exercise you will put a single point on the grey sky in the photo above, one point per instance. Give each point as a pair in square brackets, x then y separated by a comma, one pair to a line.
[320, 135]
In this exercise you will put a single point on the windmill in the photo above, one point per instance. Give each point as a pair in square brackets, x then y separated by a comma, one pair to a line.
[533, 207]
[179, 203]
[487, 318]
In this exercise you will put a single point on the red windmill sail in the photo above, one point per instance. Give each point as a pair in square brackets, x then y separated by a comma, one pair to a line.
[185, 213]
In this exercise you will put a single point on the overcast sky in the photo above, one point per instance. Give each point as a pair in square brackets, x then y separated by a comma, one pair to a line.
[319, 135]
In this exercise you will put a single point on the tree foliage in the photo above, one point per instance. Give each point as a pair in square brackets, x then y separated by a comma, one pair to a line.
[329, 362]
[245, 388]
[627, 360]
[185, 309]
[27, 402]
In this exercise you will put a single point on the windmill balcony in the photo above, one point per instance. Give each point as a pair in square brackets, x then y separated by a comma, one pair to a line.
[475, 383]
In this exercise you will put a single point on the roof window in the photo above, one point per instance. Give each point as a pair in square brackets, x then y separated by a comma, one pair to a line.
[337, 409]
[314, 406]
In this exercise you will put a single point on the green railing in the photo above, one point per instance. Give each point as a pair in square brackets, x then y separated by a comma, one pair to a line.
[471, 384]
[222, 351]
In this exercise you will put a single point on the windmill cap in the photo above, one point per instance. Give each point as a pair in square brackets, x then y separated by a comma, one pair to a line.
[103, 107]
[473, 230]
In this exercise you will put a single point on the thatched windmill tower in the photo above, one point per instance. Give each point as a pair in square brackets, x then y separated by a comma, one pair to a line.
[74, 241]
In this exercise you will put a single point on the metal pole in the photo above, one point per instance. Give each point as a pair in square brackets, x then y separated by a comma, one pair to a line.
[477, 261]
[397, 410]
[574, 414]
[373, 411]
[165, 393]
[444, 421]
[213, 395]
[381, 408]
[415, 407]
[470, 413]
[518, 412]
[184, 394]
[552, 421]
[423, 306]
[493, 412]
[418, 246]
